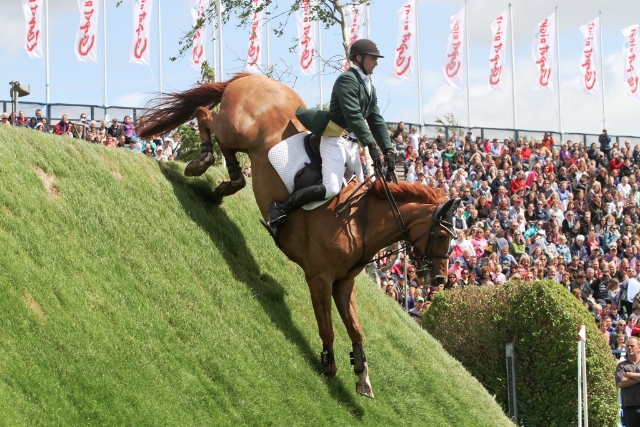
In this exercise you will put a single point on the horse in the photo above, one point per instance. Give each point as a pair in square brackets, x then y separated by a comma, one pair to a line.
[332, 243]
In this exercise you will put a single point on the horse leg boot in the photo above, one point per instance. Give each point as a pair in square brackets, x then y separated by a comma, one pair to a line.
[327, 361]
[236, 177]
[200, 166]
[361, 369]
[278, 211]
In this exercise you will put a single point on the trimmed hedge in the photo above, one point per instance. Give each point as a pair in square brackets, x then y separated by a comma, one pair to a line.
[542, 321]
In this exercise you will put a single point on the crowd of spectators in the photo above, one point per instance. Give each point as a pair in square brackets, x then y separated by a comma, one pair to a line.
[533, 210]
[117, 134]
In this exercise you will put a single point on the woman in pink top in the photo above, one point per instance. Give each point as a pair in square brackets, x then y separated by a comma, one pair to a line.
[478, 242]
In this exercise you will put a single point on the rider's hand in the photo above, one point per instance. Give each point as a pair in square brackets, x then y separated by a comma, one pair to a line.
[390, 159]
[374, 152]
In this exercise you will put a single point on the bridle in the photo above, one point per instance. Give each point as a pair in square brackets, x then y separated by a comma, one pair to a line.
[425, 260]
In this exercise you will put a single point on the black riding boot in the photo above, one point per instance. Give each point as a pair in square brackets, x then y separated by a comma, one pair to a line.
[278, 211]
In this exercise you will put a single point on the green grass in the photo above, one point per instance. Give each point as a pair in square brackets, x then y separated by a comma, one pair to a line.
[128, 298]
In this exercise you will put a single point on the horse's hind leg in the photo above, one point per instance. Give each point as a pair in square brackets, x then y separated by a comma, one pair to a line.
[344, 295]
[206, 124]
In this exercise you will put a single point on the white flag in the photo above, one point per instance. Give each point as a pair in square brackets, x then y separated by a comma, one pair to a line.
[86, 35]
[543, 49]
[254, 54]
[199, 37]
[33, 16]
[591, 56]
[630, 55]
[307, 36]
[356, 23]
[404, 55]
[452, 63]
[139, 50]
[498, 49]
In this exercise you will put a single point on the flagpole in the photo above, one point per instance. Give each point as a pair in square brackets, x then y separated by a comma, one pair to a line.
[46, 58]
[420, 116]
[214, 64]
[104, 57]
[219, 10]
[513, 70]
[159, 47]
[466, 41]
[319, 61]
[368, 27]
[604, 124]
[266, 12]
[558, 74]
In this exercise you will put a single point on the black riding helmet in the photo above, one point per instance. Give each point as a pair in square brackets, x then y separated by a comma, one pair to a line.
[364, 47]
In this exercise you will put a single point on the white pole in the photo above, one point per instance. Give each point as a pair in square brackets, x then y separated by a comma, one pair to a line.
[585, 406]
[466, 42]
[558, 74]
[579, 382]
[46, 59]
[319, 61]
[604, 125]
[513, 69]
[159, 47]
[214, 64]
[368, 26]
[266, 10]
[420, 116]
[406, 283]
[219, 10]
[104, 57]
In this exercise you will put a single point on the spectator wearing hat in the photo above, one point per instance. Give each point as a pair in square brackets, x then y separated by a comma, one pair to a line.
[160, 154]
[5, 119]
[417, 309]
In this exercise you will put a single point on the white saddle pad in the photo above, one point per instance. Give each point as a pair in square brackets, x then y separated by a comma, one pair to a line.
[288, 157]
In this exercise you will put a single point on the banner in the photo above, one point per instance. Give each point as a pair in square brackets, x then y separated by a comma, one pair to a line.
[498, 49]
[630, 49]
[307, 37]
[254, 54]
[590, 62]
[86, 46]
[356, 17]
[452, 64]
[199, 37]
[139, 50]
[404, 55]
[32, 10]
[543, 50]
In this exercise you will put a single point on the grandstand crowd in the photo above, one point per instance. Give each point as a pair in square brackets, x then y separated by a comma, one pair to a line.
[532, 210]
[116, 134]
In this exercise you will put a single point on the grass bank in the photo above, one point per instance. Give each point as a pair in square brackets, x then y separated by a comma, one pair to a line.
[128, 298]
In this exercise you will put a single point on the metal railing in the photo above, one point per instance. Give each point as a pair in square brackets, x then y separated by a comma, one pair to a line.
[54, 112]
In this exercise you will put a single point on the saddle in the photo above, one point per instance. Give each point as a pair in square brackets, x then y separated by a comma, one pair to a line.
[311, 173]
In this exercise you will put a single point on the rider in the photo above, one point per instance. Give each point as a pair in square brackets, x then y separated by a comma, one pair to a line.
[353, 116]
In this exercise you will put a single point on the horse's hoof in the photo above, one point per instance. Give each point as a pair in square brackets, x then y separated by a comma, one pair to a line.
[200, 166]
[363, 385]
[331, 372]
[227, 188]
[364, 390]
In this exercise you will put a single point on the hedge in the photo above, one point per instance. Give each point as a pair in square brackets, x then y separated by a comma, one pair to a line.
[542, 321]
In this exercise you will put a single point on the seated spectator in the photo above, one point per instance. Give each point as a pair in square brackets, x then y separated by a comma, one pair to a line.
[63, 127]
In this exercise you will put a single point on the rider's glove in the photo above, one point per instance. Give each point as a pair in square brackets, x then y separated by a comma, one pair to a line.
[390, 159]
[374, 152]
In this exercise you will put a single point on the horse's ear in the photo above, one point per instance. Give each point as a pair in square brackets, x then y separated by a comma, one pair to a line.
[444, 211]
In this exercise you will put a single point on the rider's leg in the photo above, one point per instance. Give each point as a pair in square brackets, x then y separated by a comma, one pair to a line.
[334, 155]
[278, 211]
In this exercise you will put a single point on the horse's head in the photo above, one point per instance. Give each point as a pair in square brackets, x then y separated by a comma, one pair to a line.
[432, 257]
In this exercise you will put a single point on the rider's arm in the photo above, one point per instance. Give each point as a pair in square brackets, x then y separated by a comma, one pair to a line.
[347, 88]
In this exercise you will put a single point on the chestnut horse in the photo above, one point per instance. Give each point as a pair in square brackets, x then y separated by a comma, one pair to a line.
[255, 114]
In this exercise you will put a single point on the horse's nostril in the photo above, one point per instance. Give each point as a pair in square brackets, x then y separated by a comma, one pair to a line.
[438, 280]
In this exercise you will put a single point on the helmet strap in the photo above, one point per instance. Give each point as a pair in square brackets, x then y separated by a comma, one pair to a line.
[360, 64]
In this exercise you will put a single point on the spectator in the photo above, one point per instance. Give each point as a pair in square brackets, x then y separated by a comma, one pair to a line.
[628, 380]
[128, 129]
[63, 127]
[115, 130]
[5, 119]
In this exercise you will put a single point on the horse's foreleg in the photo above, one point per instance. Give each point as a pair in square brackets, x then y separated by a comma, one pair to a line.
[320, 288]
[344, 295]
[205, 125]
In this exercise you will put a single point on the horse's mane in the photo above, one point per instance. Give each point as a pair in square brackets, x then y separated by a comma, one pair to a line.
[168, 110]
[406, 192]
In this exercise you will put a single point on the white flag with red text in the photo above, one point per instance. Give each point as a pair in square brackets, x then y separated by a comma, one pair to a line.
[452, 64]
[307, 37]
[32, 10]
[630, 55]
[498, 51]
[404, 55]
[590, 61]
[356, 25]
[543, 51]
[139, 49]
[200, 36]
[254, 54]
[87, 33]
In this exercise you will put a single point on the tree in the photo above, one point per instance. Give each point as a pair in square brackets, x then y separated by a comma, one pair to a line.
[451, 122]
[327, 12]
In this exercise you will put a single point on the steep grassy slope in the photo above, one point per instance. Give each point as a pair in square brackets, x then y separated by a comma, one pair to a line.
[127, 298]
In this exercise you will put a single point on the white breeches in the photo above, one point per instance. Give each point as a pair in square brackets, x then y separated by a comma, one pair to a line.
[336, 152]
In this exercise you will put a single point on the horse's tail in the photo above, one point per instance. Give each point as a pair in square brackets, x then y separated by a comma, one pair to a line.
[166, 112]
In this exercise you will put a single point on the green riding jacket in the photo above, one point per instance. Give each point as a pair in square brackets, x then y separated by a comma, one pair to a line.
[351, 108]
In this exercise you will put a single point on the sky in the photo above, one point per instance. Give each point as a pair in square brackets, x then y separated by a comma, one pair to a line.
[132, 85]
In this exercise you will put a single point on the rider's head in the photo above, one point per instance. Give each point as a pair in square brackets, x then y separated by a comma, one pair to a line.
[364, 53]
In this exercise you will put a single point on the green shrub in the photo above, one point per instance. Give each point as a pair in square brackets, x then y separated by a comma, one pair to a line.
[542, 321]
